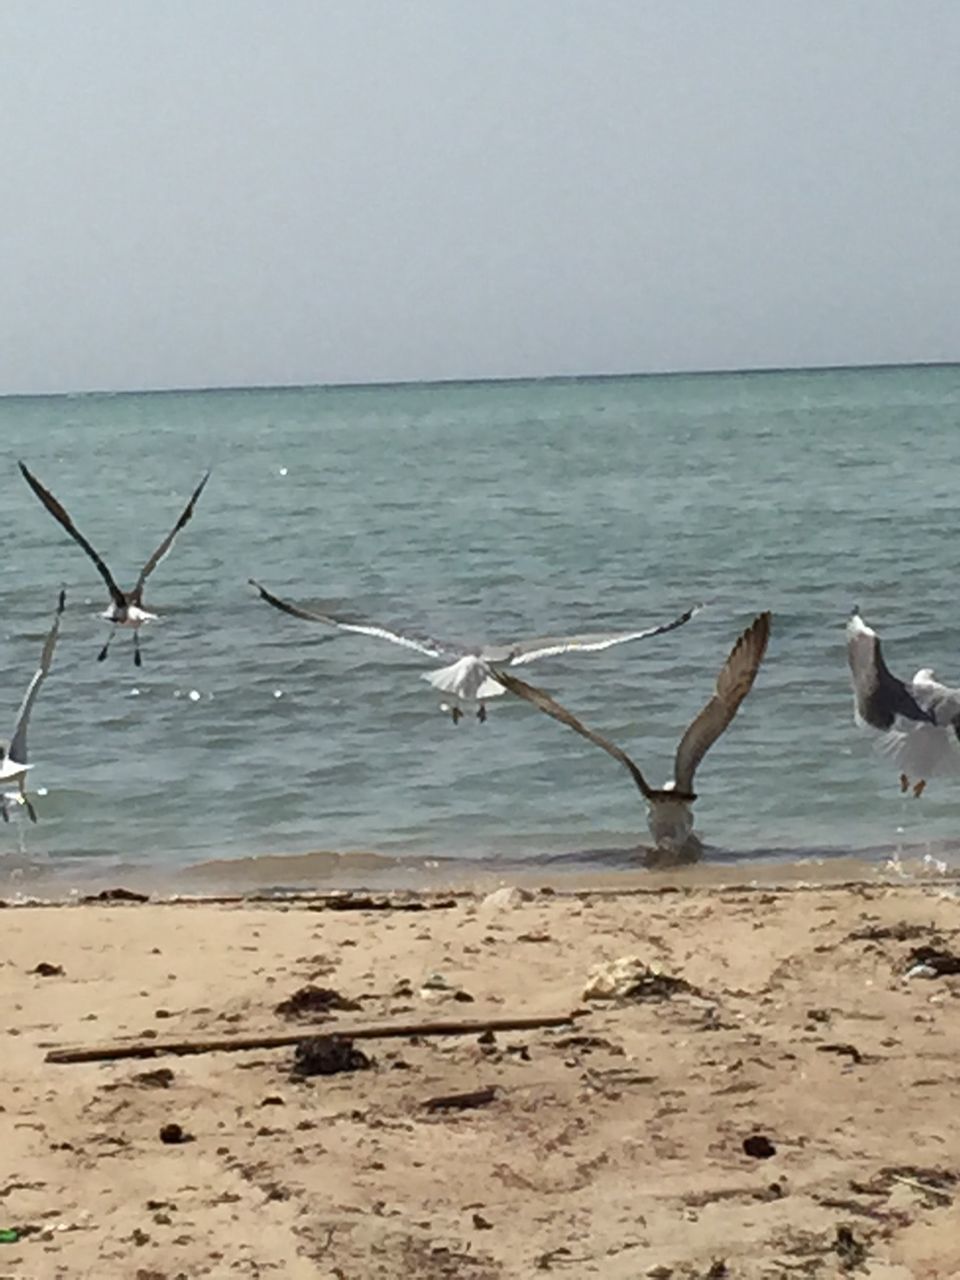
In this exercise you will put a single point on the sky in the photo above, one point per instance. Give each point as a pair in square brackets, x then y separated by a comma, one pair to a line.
[250, 192]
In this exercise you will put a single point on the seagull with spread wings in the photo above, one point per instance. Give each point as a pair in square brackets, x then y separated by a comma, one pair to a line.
[126, 607]
[670, 816]
[13, 755]
[920, 721]
[468, 678]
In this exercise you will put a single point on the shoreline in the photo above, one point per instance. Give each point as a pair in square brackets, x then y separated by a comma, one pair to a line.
[778, 1096]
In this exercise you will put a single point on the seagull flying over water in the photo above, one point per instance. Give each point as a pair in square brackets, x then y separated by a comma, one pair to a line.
[920, 720]
[669, 807]
[126, 609]
[13, 756]
[469, 677]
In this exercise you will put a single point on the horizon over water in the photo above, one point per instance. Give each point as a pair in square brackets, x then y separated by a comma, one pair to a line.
[473, 511]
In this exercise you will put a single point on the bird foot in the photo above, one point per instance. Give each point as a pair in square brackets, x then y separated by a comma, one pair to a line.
[482, 713]
[919, 788]
[904, 783]
[101, 656]
[456, 715]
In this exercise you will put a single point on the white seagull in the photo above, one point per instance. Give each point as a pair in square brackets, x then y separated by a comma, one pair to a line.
[920, 721]
[669, 815]
[126, 609]
[13, 756]
[469, 678]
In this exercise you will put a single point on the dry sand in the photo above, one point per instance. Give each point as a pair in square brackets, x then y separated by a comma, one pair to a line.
[613, 1147]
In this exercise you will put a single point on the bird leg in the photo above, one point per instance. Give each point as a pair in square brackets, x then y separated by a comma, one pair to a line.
[904, 783]
[4, 810]
[481, 713]
[103, 652]
[137, 660]
[919, 788]
[456, 715]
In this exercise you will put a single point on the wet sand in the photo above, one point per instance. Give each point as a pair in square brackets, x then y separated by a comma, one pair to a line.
[613, 1146]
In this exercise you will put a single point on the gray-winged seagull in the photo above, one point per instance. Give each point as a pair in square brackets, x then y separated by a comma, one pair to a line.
[468, 678]
[13, 756]
[126, 609]
[920, 721]
[669, 816]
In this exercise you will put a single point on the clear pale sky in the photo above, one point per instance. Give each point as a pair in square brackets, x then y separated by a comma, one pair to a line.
[237, 192]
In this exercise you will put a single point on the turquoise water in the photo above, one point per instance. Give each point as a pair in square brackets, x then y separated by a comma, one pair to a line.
[475, 511]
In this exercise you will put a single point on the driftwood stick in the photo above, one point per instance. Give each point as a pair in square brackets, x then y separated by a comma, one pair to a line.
[462, 1101]
[266, 1040]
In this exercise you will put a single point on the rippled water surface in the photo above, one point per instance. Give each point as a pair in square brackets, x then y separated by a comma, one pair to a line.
[480, 511]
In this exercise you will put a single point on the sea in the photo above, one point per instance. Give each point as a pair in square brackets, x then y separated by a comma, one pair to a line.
[253, 745]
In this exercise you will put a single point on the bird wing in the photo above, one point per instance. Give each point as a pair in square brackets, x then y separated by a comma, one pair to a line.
[543, 702]
[879, 696]
[17, 750]
[531, 650]
[167, 543]
[938, 700]
[431, 648]
[59, 513]
[733, 684]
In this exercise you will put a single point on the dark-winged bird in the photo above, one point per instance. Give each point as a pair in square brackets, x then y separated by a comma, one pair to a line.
[126, 608]
[670, 816]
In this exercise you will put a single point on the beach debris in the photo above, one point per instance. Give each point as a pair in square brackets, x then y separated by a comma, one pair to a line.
[311, 1001]
[534, 937]
[480, 1223]
[327, 1056]
[46, 970]
[116, 895]
[354, 902]
[9, 1235]
[174, 1134]
[511, 895]
[630, 978]
[162, 1078]
[939, 959]
[921, 971]
[851, 1251]
[759, 1146]
[462, 1101]
[153, 1047]
[848, 1050]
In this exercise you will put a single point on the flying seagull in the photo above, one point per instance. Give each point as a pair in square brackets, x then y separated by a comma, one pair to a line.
[669, 807]
[469, 677]
[126, 608]
[920, 721]
[13, 756]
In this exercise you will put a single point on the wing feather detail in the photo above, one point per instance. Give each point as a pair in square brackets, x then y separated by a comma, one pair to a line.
[59, 513]
[431, 649]
[167, 543]
[542, 700]
[733, 684]
[532, 650]
[17, 751]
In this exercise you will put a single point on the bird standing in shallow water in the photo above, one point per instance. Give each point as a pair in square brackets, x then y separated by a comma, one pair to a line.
[126, 609]
[13, 756]
[670, 816]
[920, 721]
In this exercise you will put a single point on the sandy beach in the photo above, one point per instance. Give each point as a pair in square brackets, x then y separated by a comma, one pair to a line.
[775, 1098]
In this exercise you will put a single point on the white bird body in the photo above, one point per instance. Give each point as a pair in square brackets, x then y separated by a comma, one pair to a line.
[468, 679]
[130, 615]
